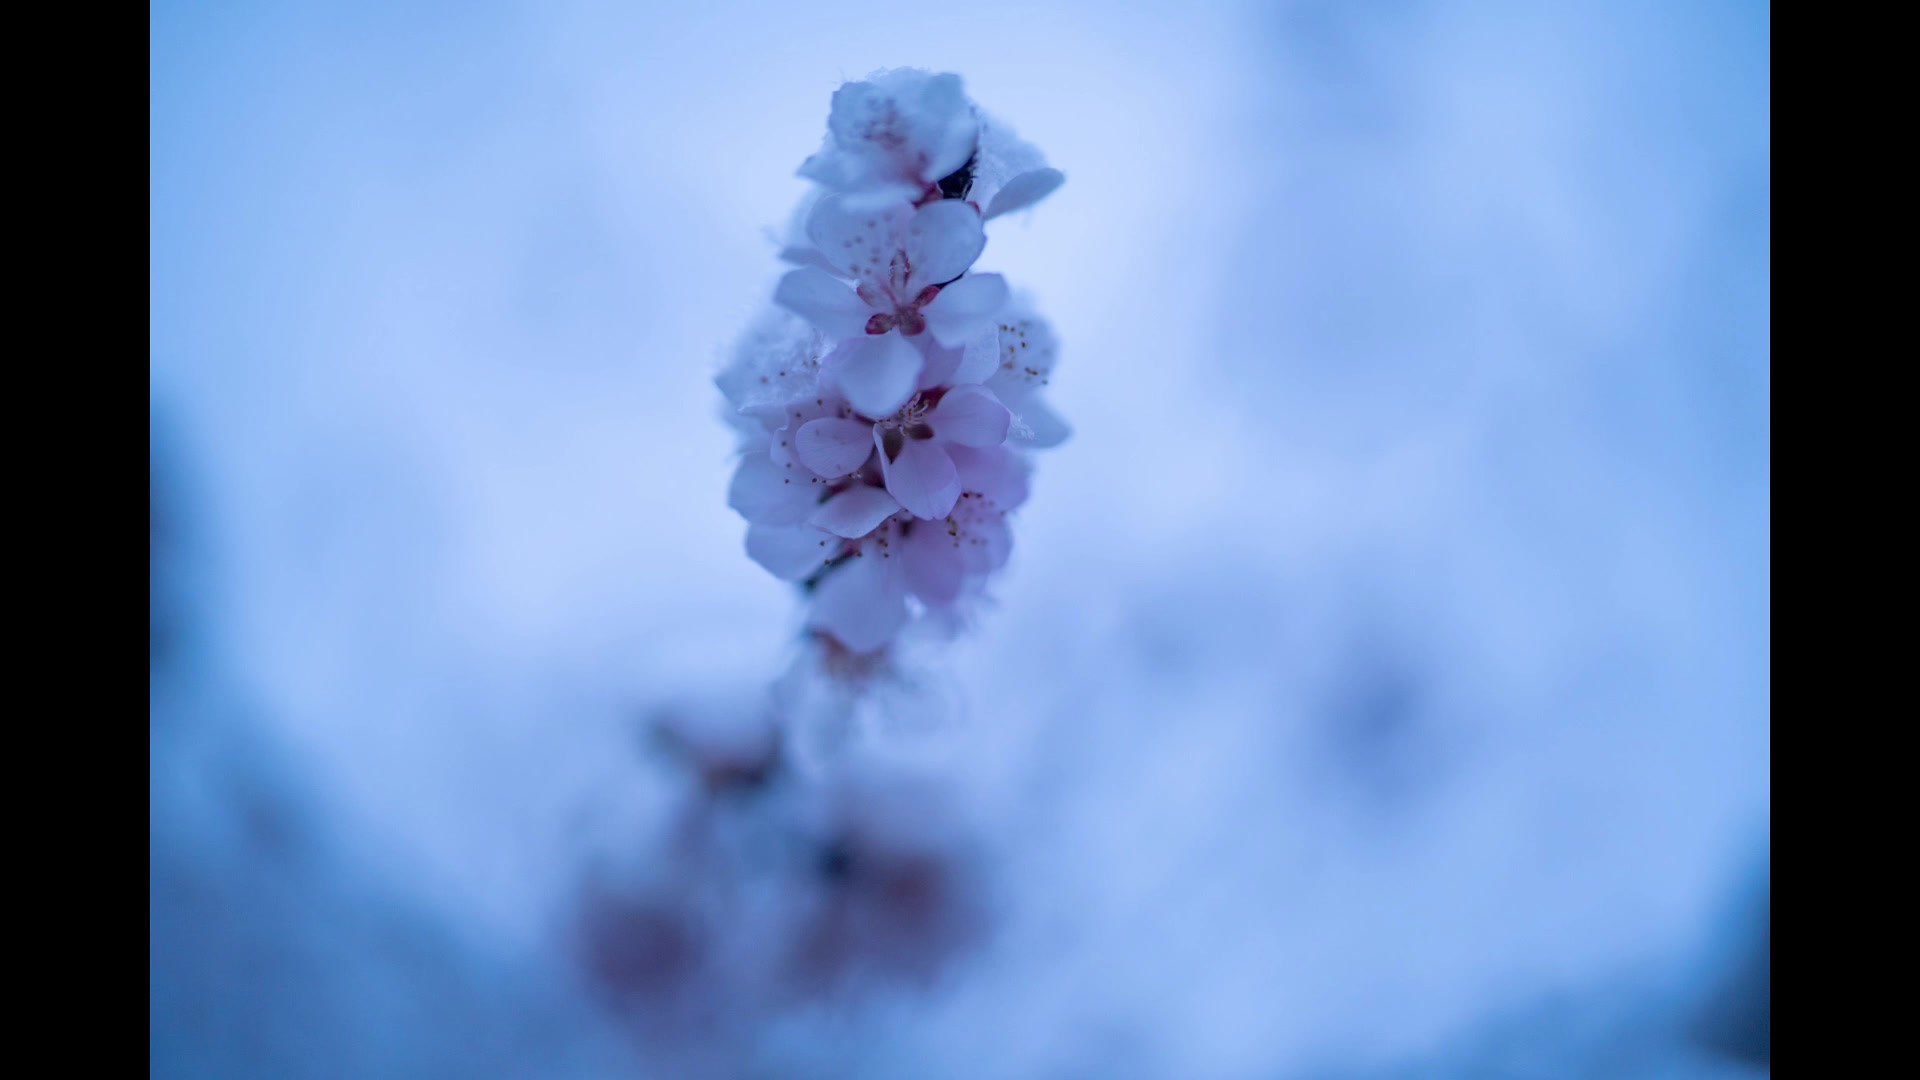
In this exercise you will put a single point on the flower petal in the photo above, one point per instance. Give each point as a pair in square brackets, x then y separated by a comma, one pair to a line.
[790, 552]
[855, 512]
[876, 373]
[904, 126]
[985, 544]
[861, 602]
[945, 123]
[1028, 355]
[942, 362]
[941, 242]
[979, 358]
[823, 300]
[792, 415]
[832, 446]
[932, 564]
[769, 494]
[996, 472]
[922, 477]
[770, 416]
[856, 237]
[970, 416]
[1038, 425]
[807, 255]
[1024, 190]
[965, 308]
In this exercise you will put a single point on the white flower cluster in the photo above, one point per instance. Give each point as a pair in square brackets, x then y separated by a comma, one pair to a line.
[886, 404]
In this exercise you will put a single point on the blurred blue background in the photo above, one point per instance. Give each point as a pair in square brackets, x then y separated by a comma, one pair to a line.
[1380, 683]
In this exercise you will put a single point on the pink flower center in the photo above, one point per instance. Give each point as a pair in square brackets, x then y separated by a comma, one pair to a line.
[905, 316]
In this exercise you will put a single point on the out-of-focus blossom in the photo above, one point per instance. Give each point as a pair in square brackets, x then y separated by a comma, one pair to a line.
[1024, 362]
[763, 887]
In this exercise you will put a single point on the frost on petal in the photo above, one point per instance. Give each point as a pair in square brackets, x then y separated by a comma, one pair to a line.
[941, 242]
[807, 255]
[903, 127]
[995, 472]
[966, 308]
[858, 237]
[1002, 156]
[790, 552]
[970, 416]
[795, 246]
[945, 125]
[921, 475]
[855, 512]
[1037, 426]
[767, 416]
[876, 373]
[932, 563]
[778, 358]
[861, 603]
[832, 446]
[751, 427]
[768, 494]
[1024, 190]
[823, 300]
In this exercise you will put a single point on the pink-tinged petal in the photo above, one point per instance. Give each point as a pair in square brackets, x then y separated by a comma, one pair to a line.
[966, 308]
[970, 416]
[979, 358]
[876, 373]
[807, 255]
[823, 300]
[793, 415]
[855, 512]
[932, 563]
[861, 602]
[986, 545]
[921, 475]
[1024, 190]
[941, 242]
[790, 552]
[1038, 426]
[832, 446]
[996, 472]
[945, 123]
[768, 494]
[941, 363]
[857, 237]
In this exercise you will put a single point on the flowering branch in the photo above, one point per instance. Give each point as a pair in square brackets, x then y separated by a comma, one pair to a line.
[885, 404]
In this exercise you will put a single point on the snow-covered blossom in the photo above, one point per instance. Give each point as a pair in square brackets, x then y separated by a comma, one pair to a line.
[897, 133]
[885, 410]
